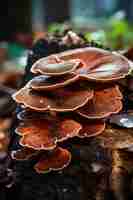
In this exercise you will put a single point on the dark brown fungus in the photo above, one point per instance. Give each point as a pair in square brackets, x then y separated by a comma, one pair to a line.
[24, 153]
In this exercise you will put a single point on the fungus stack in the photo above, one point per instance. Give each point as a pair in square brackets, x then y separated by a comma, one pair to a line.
[71, 95]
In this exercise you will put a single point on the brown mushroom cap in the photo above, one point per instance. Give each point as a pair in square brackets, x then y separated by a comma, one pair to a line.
[53, 66]
[45, 133]
[105, 102]
[43, 82]
[58, 159]
[28, 114]
[24, 153]
[91, 128]
[65, 99]
[114, 138]
[98, 64]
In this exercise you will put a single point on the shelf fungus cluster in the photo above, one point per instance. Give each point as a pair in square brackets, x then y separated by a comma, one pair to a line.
[71, 95]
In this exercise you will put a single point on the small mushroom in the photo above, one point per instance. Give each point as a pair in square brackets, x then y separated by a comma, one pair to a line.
[57, 159]
[105, 102]
[53, 66]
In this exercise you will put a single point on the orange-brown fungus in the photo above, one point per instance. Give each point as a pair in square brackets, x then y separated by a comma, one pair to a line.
[62, 102]
[105, 102]
[45, 133]
[64, 99]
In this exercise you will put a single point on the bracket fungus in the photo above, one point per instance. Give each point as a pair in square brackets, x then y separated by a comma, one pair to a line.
[71, 95]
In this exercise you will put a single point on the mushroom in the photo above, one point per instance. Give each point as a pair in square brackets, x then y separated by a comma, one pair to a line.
[68, 98]
[64, 99]
[53, 66]
[45, 133]
[97, 64]
[105, 102]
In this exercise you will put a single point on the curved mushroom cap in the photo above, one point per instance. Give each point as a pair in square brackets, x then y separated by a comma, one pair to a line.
[57, 159]
[98, 64]
[91, 128]
[64, 99]
[28, 114]
[45, 133]
[24, 153]
[53, 66]
[123, 119]
[114, 138]
[105, 102]
[43, 82]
